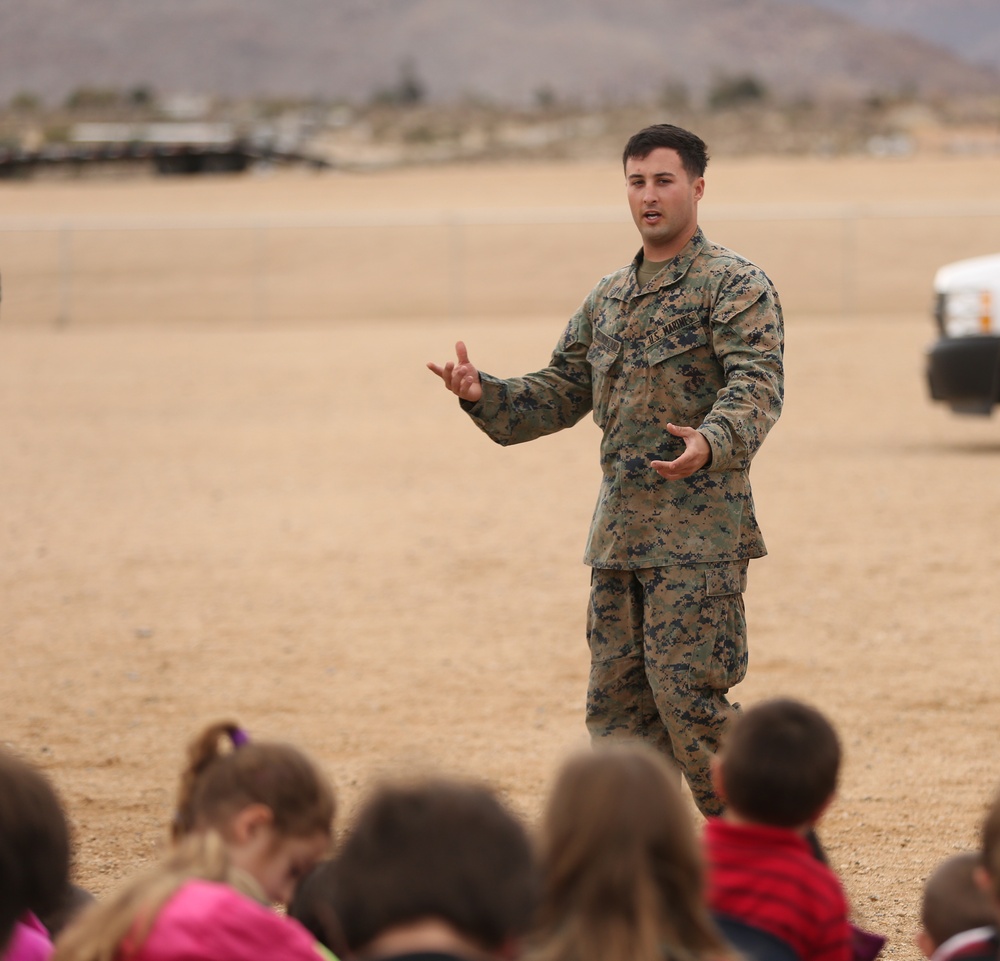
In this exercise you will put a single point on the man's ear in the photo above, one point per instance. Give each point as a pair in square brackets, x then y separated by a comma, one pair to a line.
[249, 822]
[718, 783]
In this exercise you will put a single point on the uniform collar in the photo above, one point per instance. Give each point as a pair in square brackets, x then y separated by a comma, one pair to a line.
[628, 287]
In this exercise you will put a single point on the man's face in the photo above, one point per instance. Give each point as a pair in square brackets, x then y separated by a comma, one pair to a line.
[663, 199]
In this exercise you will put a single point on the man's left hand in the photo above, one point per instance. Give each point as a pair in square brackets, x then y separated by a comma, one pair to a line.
[697, 453]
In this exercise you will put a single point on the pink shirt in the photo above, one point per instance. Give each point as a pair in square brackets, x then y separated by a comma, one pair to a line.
[29, 942]
[205, 921]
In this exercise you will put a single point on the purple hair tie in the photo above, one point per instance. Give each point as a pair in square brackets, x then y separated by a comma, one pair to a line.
[239, 737]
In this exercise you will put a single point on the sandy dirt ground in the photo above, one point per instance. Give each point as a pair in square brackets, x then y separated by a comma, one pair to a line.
[295, 526]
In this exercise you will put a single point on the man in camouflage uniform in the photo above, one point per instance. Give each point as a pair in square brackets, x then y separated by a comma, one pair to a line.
[679, 356]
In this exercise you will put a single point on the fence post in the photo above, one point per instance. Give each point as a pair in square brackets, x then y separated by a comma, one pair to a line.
[456, 272]
[260, 275]
[849, 293]
[65, 276]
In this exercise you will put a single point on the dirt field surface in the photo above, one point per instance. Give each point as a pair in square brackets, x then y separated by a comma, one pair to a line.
[294, 525]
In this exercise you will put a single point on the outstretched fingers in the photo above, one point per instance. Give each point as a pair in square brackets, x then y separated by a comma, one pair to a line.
[460, 377]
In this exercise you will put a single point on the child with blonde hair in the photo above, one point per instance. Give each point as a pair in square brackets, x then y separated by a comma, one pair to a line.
[252, 819]
[622, 871]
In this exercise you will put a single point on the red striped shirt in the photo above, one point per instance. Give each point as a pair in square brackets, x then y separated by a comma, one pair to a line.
[769, 877]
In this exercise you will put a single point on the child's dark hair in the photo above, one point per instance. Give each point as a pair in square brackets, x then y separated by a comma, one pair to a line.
[952, 901]
[991, 845]
[226, 772]
[689, 146]
[313, 907]
[780, 761]
[434, 849]
[34, 844]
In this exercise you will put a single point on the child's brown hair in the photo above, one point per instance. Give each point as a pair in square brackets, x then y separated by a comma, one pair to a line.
[991, 846]
[622, 869]
[436, 848]
[34, 844]
[779, 763]
[226, 772]
[952, 900]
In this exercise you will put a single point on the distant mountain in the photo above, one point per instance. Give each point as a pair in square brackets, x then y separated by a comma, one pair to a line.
[508, 52]
[970, 28]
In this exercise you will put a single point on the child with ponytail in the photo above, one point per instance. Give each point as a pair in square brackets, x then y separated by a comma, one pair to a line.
[251, 820]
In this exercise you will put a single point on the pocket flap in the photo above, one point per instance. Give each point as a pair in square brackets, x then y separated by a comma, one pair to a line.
[603, 352]
[725, 580]
[676, 342]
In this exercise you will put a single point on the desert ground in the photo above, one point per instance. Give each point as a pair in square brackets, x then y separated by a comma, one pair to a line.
[230, 488]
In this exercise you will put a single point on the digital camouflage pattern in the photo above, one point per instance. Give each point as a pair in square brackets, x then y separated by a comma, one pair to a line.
[666, 644]
[700, 345]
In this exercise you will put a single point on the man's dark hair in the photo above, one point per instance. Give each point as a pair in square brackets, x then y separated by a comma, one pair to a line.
[689, 146]
[780, 762]
[435, 849]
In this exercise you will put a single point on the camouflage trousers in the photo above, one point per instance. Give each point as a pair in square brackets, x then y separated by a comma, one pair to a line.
[666, 644]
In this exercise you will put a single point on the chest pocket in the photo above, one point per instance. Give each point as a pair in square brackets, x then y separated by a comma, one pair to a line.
[675, 342]
[604, 357]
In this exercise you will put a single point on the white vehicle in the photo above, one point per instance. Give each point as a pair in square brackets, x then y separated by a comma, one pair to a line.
[963, 365]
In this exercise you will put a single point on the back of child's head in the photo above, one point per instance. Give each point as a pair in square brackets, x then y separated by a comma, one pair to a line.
[436, 848]
[34, 844]
[990, 849]
[953, 902]
[779, 763]
[226, 772]
[622, 869]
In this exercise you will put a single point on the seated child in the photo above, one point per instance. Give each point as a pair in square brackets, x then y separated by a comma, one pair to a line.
[252, 819]
[438, 868]
[622, 872]
[957, 917]
[987, 875]
[34, 858]
[777, 772]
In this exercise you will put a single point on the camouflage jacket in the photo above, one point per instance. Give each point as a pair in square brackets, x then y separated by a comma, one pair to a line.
[699, 346]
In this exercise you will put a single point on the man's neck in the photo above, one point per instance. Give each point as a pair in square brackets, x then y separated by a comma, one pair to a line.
[658, 254]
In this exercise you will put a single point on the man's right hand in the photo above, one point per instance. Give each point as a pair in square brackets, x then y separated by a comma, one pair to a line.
[461, 378]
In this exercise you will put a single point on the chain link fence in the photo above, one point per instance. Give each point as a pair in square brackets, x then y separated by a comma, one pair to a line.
[826, 260]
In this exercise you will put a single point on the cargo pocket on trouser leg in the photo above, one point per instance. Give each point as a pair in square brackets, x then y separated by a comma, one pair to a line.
[719, 660]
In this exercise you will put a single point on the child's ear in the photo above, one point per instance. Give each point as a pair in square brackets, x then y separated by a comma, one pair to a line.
[718, 783]
[983, 880]
[510, 950]
[249, 821]
[925, 942]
